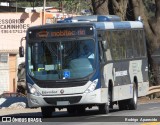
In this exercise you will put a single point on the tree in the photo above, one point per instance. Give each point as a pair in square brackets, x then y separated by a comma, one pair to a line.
[75, 6]
[70, 6]
[152, 29]
[130, 10]
[37, 3]
[104, 7]
[100, 7]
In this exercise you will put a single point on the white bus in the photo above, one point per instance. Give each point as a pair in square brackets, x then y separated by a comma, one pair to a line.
[86, 61]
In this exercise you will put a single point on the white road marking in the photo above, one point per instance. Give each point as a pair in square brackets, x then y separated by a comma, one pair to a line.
[154, 108]
[145, 103]
[96, 116]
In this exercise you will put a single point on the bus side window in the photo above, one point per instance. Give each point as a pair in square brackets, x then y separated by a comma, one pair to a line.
[115, 46]
[101, 39]
[105, 37]
[136, 43]
[129, 45]
[129, 53]
[142, 43]
[122, 44]
[108, 51]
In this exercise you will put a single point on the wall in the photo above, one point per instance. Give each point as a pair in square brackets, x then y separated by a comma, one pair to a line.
[13, 27]
[4, 75]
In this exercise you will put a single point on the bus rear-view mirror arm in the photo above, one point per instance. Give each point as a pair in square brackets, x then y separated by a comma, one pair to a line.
[21, 48]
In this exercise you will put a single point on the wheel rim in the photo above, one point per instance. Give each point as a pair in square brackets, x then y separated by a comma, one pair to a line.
[135, 95]
[109, 99]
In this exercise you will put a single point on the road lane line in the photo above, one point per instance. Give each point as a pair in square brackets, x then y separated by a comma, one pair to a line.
[148, 103]
[97, 116]
[154, 108]
[151, 123]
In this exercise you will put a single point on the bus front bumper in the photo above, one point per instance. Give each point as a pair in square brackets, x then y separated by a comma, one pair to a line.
[96, 97]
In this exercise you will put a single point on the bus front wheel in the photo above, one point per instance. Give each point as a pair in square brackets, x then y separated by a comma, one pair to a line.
[122, 104]
[81, 110]
[47, 112]
[71, 110]
[103, 108]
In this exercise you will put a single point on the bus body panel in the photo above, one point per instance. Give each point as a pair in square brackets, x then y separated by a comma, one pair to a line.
[122, 75]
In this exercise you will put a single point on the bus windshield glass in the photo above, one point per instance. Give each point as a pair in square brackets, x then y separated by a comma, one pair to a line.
[55, 59]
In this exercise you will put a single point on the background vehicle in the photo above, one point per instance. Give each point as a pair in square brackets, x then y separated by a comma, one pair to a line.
[11, 94]
[21, 83]
[86, 61]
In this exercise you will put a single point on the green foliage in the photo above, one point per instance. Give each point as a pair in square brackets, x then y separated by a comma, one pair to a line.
[75, 6]
[69, 6]
[37, 3]
[23, 4]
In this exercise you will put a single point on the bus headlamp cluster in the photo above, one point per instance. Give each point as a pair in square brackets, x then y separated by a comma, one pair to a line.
[92, 86]
[33, 90]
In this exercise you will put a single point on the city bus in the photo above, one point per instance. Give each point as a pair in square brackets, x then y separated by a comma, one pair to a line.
[86, 61]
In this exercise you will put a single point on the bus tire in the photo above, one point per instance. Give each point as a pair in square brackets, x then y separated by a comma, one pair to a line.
[133, 100]
[47, 112]
[110, 99]
[71, 110]
[103, 108]
[122, 105]
[81, 109]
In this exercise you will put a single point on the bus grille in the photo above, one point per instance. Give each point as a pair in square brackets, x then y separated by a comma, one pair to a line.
[71, 100]
[50, 84]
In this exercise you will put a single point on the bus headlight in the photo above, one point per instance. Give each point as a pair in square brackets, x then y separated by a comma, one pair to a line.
[92, 86]
[33, 90]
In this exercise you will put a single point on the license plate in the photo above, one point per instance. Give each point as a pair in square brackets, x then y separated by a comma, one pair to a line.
[62, 102]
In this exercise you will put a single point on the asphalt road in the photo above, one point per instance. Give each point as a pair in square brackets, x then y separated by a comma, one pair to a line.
[144, 112]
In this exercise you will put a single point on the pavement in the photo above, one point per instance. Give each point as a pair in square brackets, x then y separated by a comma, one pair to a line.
[9, 106]
[13, 102]
[144, 100]
[147, 107]
[21, 102]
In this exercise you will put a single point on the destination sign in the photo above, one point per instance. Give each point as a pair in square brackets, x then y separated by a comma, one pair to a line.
[42, 34]
[61, 32]
[67, 33]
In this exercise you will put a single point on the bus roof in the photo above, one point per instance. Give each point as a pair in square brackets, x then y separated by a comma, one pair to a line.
[100, 22]
[91, 18]
[119, 25]
[104, 21]
[98, 25]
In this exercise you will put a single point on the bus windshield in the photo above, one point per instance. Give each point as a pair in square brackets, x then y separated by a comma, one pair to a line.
[54, 60]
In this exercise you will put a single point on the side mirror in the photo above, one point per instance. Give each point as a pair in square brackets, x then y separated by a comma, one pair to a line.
[104, 44]
[21, 51]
